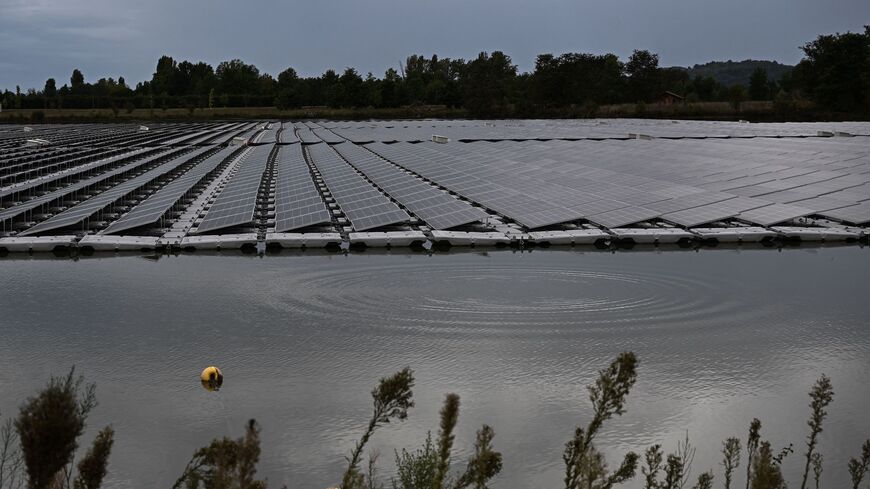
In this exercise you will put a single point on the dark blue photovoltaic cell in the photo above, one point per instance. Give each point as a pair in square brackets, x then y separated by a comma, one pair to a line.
[237, 202]
[439, 209]
[363, 204]
[155, 206]
[298, 203]
[84, 210]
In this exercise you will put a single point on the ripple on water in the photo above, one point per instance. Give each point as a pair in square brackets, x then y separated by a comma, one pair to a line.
[519, 299]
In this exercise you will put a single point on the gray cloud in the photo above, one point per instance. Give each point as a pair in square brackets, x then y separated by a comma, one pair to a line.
[43, 38]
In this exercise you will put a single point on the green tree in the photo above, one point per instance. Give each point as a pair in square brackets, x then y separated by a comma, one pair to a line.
[352, 91]
[705, 481]
[644, 82]
[759, 87]
[584, 464]
[94, 466]
[858, 467]
[485, 464]
[236, 77]
[731, 459]
[736, 96]
[449, 418]
[50, 89]
[653, 458]
[392, 398]
[817, 462]
[822, 394]
[49, 426]
[288, 88]
[766, 472]
[225, 463]
[164, 79]
[416, 470]
[487, 83]
[752, 448]
[835, 71]
[77, 82]
[11, 462]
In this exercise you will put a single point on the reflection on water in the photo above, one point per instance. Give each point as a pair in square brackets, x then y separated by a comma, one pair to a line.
[723, 336]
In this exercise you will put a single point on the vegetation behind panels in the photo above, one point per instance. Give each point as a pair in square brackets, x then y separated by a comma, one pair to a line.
[831, 81]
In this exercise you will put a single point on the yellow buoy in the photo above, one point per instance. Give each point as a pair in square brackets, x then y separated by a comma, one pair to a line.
[211, 378]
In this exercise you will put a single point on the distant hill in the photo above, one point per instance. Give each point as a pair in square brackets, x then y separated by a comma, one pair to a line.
[733, 72]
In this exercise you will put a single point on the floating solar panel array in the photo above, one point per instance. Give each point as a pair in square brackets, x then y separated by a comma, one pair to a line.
[542, 130]
[463, 176]
[288, 134]
[361, 202]
[83, 211]
[58, 195]
[237, 202]
[306, 135]
[298, 203]
[269, 135]
[327, 136]
[536, 174]
[436, 207]
[76, 167]
[617, 183]
[156, 205]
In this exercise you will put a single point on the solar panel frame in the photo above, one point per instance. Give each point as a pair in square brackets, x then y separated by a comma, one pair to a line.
[84, 210]
[623, 217]
[237, 202]
[364, 205]
[437, 208]
[156, 205]
[858, 214]
[774, 214]
[298, 203]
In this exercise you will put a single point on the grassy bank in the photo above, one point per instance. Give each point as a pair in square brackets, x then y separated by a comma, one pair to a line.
[751, 111]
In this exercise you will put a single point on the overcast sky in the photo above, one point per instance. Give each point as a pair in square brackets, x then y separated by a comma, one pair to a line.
[48, 38]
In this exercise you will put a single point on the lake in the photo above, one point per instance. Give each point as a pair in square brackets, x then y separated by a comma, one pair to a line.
[723, 335]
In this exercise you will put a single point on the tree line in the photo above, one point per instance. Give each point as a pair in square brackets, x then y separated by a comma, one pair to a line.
[834, 73]
[38, 447]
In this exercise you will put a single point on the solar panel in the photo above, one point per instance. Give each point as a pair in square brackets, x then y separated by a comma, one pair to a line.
[698, 215]
[538, 180]
[155, 206]
[91, 166]
[622, 217]
[306, 135]
[856, 214]
[327, 136]
[689, 201]
[298, 203]
[437, 208]
[774, 214]
[462, 176]
[363, 204]
[717, 211]
[237, 202]
[288, 134]
[56, 195]
[86, 209]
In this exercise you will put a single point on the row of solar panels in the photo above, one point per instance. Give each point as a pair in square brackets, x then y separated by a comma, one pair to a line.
[29, 170]
[689, 183]
[362, 184]
[619, 183]
[82, 212]
[498, 130]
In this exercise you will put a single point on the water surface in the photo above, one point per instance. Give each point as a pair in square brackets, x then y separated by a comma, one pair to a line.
[723, 336]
